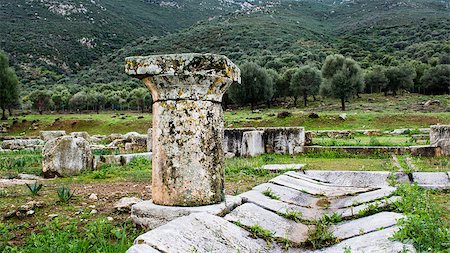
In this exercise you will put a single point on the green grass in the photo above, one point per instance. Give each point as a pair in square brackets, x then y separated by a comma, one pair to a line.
[368, 141]
[425, 225]
[389, 113]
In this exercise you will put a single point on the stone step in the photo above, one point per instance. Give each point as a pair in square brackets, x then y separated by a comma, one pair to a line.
[278, 206]
[365, 197]
[377, 241]
[357, 178]
[201, 232]
[356, 210]
[316, 188]
[288, 195]
[250, 215]
[365, 225]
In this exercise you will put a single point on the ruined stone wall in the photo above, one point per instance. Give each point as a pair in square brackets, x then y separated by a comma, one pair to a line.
[279, 140]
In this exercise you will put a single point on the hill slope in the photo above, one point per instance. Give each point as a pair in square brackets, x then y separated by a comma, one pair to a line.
[49, 39]
[299, 32]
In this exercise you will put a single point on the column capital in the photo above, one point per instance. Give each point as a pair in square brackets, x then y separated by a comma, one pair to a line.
[184, 76]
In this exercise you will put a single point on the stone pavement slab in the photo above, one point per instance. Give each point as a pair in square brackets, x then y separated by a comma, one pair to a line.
[434, 180]
[288, 195]
[278, 206]
[282, 167]
[365, 225]
[375, 242]
[357, 178]
[201, 232]
[355, 210]
[348, 201]
[314, 187]
[251, 215]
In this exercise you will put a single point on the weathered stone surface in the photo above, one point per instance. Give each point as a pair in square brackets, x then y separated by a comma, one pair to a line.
[314, 187]
[426, 151]
[201, 232]
[252, 143]
[66, 156]
[440, 137]
[149, 215]
[365, 225]
[142, 248]
[281, 140]
[49, 135]
[12, 182]
[282, 167]
[124, 204]
[288, 195]
[84, 135]
[250, 215]
[357, 178]
[22, 144]
[284, 140]
[188, 124]
[435, 180]
[149, 139]
[362, 198]
[355, 210]
[377, 241]
[29, 177]
[278, 206]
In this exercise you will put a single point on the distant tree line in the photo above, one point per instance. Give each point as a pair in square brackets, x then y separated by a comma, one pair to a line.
[338, 77]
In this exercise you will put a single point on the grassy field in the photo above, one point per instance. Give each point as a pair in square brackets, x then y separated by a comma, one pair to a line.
[369, 112]
[76, 222]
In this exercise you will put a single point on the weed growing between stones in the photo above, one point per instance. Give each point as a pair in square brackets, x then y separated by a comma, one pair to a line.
[292, 215]
[269, 193]
[423, 226]
[34, 188]
[320, 235]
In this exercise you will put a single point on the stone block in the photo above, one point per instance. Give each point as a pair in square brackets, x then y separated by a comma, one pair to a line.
[288, 195]
[357, 178]
[22, 144]
[201, 232]
[150, 215]
[66, 156]
[252, 143]
[434, 180]
[49, 135]
[250, 215]
[365, 225]
[282, 167]
[440, 137]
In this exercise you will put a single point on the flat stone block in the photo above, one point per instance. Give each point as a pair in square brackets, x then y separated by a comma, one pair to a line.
[250, 215]
[435, 180]
[362, 198]
[49, 135]
[201, 232]
[252, 143]
[150, 215]
[282, 167]
[356, 178]
[288, 195]
[377, 241]
[278, 206]
[365, 225]
[355, 210]
[297, 182]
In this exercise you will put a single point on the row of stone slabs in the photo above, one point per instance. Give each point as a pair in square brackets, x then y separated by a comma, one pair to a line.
[214, 229]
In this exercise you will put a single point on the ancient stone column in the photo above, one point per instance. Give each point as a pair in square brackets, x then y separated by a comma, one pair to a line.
[187, 91]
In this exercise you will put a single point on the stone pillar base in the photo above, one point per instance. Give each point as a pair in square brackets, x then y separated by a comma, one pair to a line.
[149, 215]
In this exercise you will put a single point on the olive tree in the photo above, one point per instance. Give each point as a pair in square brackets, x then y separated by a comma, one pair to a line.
[343, 78]
[437, 79]
[400, 77]
[305, 81]
[375, 79]
[256, 86]
[9, 86]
